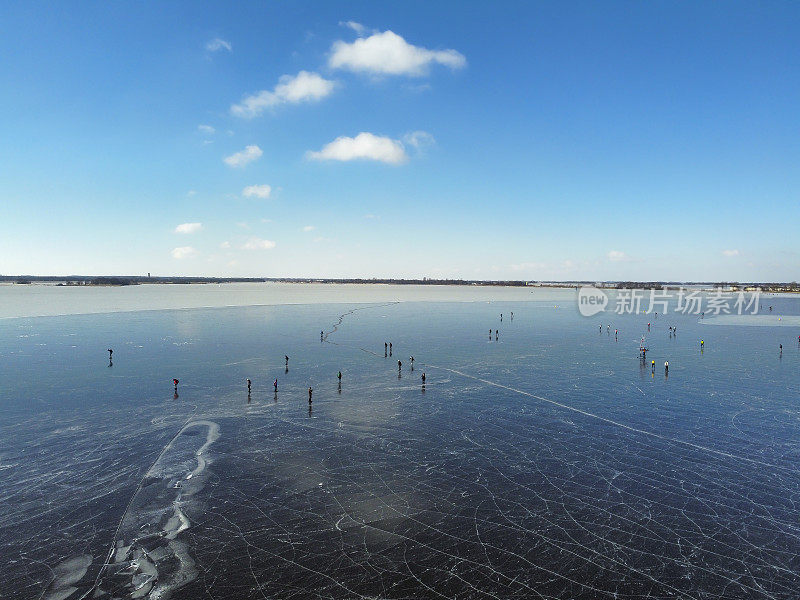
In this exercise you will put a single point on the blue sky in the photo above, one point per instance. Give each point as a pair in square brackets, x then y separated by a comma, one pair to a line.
[633, 140]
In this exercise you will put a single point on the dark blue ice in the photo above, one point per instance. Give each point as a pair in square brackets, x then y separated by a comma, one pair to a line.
[550, 463]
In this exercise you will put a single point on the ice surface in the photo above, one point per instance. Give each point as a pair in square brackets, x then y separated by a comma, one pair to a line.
[550, 463]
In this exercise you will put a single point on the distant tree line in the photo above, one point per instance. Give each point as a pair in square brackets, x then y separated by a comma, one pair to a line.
[136, 279]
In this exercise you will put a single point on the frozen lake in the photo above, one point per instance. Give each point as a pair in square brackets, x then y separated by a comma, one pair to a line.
[547, 463]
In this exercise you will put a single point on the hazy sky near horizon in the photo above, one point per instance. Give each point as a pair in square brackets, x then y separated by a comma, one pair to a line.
[562, 140]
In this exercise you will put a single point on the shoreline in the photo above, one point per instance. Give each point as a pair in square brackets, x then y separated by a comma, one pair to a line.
[47, 300]
[81, 281]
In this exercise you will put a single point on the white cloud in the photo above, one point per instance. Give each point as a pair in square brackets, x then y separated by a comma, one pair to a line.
[258, 244]
[244, 157]
[617, 256]
[303, 87]
[225, 245]
[183, 252]
[309, 228]
[389, 54]
[730, 252]
[218, 44]
[266, 220]
[188, 228]
[529, 266]
[191, 193]
[419, 139]
[206, 129]
[372, 216]
[257, 191]
[357, 27]
[366, 146]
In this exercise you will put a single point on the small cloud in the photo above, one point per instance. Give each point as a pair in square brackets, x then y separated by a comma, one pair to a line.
[419, 88]
[365, 146]
[243, 225]
[419, 139]
[258, 244]
[218, 44]
[308, 228]
[266, 220]
[188, 228]
[225, 245]
[371, 216]
[244, 157]
[303, 87]
[528, 266]
[206, 129]
[207, 142]
[257, 191]
[730, 252]
[183, 252]
[617, 256]
[389, 54]
[191, 193]
[357, 27]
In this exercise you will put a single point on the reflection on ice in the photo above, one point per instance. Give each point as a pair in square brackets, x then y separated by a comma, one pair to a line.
[761, 320]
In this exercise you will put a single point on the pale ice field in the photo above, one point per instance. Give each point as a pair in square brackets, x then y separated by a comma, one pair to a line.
[548, 462]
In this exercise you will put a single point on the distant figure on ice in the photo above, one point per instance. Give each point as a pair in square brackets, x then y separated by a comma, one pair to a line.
[666, 367]
[423, 379]
[501, 317]
[287, 360]
[390, 348]
[176, 382]
[249, 383]
[310, 391]
[340, 376]
[275, 385]
[399, 365]
[496, 334]
[512, 315]
[320, 336]
[110, 353]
